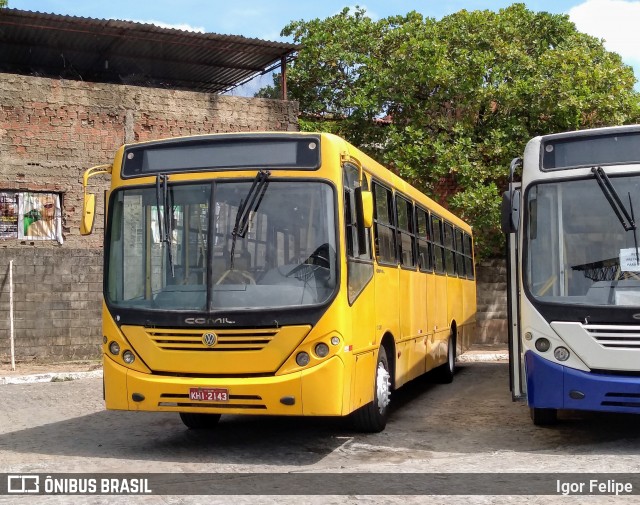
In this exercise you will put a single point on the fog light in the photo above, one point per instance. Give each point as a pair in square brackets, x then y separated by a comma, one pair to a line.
[114, 348]
[542, 344]
[561, 353]
[302, 359]
[128, 357]
[335, 340]
[322, 350]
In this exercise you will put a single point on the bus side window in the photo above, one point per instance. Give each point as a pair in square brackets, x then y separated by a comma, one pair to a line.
[450, 259]
[425, 261]
[353, 227]
[406, 232]
[468, 256]
[359, 266]
[460, 267]
[438, 249]
[383, 225]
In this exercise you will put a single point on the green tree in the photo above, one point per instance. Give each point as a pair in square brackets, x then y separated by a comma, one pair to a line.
[4, 3]
[271, 91]
[464, 94]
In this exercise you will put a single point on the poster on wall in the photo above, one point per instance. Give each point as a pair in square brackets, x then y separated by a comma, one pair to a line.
[8, 214]
[39, 217]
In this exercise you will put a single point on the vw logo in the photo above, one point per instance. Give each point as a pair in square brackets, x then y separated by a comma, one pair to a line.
[209, 339]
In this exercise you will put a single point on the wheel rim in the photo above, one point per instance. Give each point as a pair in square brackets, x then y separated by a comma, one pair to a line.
[383, 388]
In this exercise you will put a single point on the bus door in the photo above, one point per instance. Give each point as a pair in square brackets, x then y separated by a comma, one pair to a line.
[511, 202]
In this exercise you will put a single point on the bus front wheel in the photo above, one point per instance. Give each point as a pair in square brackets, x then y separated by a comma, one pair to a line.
[543, 417]
[372, 418]
[199, 421]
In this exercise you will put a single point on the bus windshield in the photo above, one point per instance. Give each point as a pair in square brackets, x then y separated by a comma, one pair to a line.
[285, 257]
[577, 249]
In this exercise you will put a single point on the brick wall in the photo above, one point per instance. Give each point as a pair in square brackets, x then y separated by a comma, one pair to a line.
[50, 132]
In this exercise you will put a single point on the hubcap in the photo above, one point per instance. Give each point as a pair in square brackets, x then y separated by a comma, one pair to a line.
[383, 387]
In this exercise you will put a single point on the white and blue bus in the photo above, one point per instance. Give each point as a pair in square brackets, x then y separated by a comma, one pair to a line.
[574, 272]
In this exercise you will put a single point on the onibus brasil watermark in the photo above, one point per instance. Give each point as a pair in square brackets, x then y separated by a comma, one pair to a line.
[37, 484]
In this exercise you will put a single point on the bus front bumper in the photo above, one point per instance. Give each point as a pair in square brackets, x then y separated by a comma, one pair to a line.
[553, 386]
[317, 391]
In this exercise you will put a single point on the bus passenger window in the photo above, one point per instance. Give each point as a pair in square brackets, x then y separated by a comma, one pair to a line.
[406, 233]
[383, 225]
[425, 261]
[450, 260]
[438, 249]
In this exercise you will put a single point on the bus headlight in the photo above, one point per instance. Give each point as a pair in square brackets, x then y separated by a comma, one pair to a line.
[114, 348]
[128, 357]
[561, 353]
[321, 350]
[302, 359]
[543, 345]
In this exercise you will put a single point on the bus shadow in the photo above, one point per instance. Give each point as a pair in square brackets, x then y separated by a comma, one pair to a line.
[475, 414]
[162, 437]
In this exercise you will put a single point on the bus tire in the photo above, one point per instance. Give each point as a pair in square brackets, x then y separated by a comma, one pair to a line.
[199, 421]
[543, 417]
[444, 373]
[372, 418]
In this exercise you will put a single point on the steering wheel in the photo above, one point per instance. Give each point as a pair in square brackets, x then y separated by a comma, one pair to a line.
[319, 258]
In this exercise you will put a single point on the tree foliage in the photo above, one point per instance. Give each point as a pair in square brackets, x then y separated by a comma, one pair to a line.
[463, 94]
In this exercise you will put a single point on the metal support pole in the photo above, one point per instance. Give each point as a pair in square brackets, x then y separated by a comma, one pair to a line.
[283, 76]
[11, 335]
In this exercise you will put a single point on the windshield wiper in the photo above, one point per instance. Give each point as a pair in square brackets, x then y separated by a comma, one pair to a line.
[247, 209]
[165, 232]
[627, 220]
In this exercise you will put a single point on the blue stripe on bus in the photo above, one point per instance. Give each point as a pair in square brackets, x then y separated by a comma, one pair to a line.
[549, 385]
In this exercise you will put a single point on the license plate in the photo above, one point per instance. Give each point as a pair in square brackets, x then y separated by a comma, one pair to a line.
[209, 394]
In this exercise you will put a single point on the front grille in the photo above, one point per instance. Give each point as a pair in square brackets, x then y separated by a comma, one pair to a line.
[629, 400]
[226, 340]
[615, 336]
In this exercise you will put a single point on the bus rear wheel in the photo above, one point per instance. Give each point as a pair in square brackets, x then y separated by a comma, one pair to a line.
[543, 417]
[372, 418]
[199, 421]
[444, 373]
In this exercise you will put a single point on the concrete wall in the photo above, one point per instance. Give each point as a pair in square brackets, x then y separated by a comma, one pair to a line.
[492, 302]
[50, 132]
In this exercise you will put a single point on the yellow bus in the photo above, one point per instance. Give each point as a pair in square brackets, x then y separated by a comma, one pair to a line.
[275, 274]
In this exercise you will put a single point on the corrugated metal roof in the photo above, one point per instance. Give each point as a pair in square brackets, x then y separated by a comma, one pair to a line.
[107, 50]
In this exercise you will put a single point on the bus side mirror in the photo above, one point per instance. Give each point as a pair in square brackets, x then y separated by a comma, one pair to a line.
[364, 204]
[510, 218]
[89, 201]
[88, 214]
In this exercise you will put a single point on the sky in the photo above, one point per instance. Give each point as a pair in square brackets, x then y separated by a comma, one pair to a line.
[616, 22]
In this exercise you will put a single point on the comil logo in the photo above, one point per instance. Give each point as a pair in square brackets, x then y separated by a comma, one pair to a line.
[209, 339]
[23, 484]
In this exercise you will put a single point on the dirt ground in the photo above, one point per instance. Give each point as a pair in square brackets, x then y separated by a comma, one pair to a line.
[38, 367]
